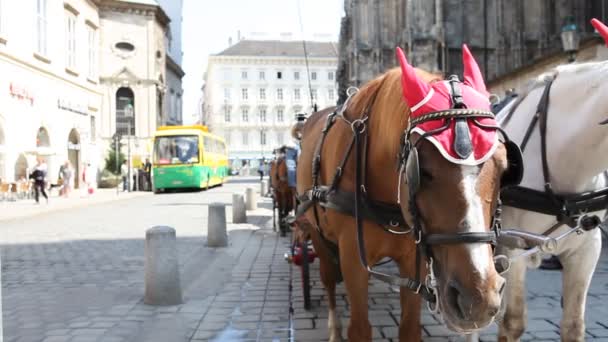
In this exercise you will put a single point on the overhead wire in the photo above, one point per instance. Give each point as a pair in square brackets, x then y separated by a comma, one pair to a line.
[313, 105]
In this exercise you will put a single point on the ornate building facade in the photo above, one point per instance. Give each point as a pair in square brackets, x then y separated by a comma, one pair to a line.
[133, 73]
[504, 35]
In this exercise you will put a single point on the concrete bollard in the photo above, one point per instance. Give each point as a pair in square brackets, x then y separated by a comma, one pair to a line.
[216, 226]
[162, 271]
[263, 188]
[250, 199]
[239, 214]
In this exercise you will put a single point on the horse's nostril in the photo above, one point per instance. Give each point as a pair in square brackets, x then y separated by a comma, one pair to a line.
[493, 310]
[502, 289]
[456, 300]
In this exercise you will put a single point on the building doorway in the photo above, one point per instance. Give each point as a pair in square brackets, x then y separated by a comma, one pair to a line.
[74, 155]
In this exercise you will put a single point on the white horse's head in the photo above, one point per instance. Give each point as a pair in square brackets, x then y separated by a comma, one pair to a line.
[577, 139]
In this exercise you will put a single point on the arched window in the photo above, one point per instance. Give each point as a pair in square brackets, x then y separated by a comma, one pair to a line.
[42, 138]
[125, 112]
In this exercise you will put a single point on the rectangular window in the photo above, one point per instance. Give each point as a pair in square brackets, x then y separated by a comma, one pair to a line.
[313, 75]
[313, 94]
[262, 75]
[227, 93]
[262, 137]
[330, 75]
[70, 39]
[296, 94]
[227, 112]
[280, 138]
[245, 115]
[244, 94]
[262, 94]
[330, 94]
[245, 138]
[244, 75]
[93, 128]
[280, 116]
[227, 138]
[280, 94]
[92, 51]
[226, 74]
[279, 75]
[296, 75]
[262, 114]
[41, 27]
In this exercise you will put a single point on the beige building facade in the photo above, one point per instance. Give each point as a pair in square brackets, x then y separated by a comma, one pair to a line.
[50, 98]
[133, 41]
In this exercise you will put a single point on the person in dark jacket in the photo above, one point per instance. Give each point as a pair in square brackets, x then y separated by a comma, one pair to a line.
[39, 177]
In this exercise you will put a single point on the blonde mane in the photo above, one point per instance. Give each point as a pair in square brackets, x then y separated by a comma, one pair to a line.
[389, 107]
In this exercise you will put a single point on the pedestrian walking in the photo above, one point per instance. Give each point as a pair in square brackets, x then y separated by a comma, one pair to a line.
[148, 175]
[261, 170]
[124, 172]
[89, 178]
[67, 176]
[39, 177]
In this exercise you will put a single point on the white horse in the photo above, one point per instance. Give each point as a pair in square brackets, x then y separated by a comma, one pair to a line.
[576, 150]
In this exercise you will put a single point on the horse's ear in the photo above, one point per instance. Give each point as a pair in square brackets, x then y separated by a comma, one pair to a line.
[472, 74]
[601, 28]
[414, 89]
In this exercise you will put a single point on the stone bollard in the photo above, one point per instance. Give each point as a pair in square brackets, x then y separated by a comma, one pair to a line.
[250, 199]
[216, 226]
[239, 214]
[162, 270]
[263, 188]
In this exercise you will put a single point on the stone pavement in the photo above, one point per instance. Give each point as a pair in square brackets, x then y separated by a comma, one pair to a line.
[77, 275]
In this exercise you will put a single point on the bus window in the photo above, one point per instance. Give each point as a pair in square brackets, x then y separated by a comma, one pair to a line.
[176, 150]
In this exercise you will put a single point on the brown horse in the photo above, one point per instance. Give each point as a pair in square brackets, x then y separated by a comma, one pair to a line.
[282, 193]
[451, 199]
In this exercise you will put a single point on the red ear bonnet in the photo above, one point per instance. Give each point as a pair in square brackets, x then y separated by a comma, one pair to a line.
[601, 28]
[414, 89]
[472, 74]
[424, 98]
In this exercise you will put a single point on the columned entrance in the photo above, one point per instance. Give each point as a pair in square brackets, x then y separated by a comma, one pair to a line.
[74, 155]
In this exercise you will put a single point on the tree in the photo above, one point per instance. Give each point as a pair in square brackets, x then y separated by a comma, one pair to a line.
[113, 154]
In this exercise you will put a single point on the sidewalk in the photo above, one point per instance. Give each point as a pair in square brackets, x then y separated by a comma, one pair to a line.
[28, 208]
[85, 291]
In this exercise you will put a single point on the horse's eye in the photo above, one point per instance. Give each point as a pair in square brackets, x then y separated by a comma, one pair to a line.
[426, 175]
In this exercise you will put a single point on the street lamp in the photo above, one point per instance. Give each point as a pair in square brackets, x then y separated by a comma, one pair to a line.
[129, 115]
[570, 39]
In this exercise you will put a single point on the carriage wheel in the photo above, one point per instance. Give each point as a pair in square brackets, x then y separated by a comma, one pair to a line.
[305, 275]
[274, 213]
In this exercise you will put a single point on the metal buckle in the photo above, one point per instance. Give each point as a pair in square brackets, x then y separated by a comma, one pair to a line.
[358, 126]
[417, 241]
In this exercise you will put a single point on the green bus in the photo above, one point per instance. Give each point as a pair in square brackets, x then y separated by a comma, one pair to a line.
[188, 157]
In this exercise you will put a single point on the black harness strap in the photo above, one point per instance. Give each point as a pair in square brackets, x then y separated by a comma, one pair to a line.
[566, 208]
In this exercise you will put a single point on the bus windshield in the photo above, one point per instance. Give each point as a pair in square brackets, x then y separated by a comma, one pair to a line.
[176, 149]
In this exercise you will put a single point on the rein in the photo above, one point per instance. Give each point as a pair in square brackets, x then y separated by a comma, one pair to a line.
[389, 216]
[567, 209]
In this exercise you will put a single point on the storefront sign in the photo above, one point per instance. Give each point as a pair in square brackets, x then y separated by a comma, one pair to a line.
[68, 105]
[72, 146]
[21, 93]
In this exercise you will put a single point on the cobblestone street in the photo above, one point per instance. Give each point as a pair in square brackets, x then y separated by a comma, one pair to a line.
[77, 275]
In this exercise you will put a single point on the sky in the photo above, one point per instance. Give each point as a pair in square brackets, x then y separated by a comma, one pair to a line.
[208, 24]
